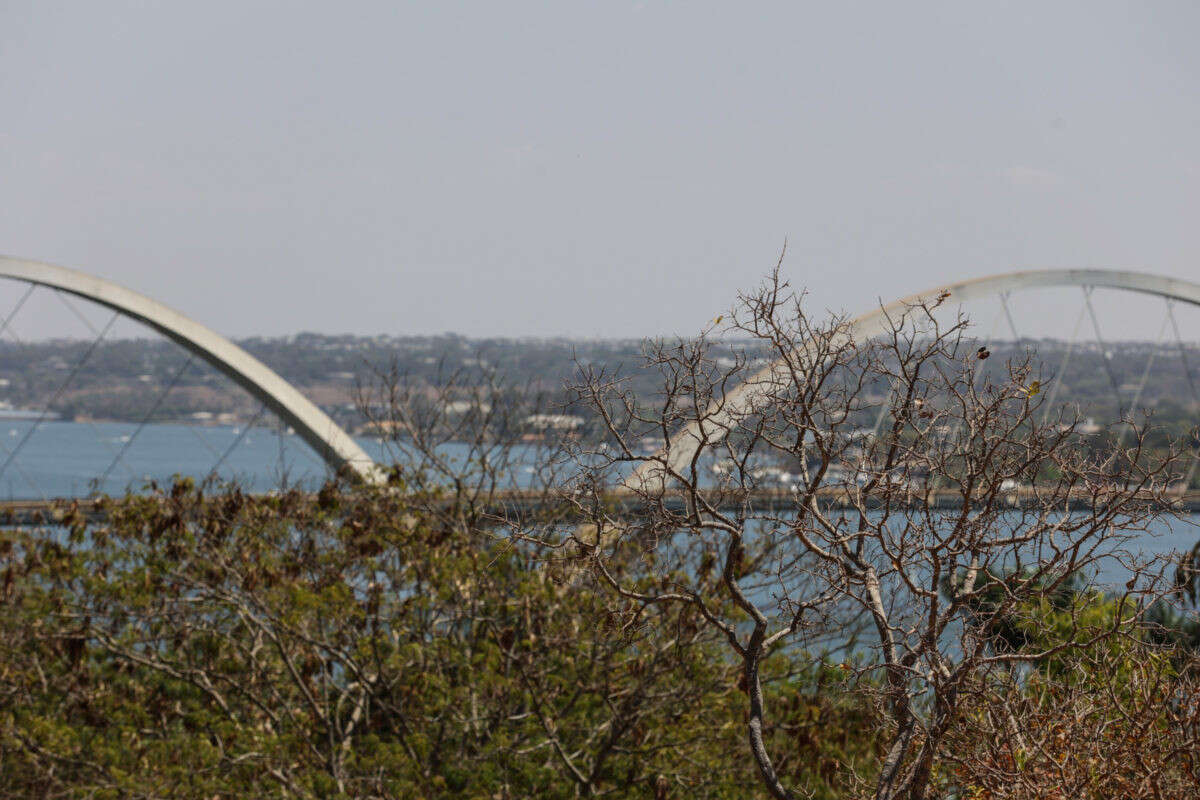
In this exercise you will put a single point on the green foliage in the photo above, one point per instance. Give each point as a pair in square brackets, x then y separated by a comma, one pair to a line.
[1026, 611]
[351, 644]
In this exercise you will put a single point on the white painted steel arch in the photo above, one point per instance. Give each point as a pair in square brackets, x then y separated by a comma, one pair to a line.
[320, 432]
[686, 442]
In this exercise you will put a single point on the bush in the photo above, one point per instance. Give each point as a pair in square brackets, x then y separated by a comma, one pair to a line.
[353, 644]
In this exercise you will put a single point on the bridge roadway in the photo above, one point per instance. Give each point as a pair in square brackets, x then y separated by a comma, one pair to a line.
[520, 504]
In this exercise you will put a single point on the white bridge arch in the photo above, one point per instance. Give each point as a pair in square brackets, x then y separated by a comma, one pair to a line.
[683, 444]
[313, 425]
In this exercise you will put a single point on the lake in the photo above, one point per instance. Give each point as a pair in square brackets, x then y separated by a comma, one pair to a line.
[71, 459]
[74, 459]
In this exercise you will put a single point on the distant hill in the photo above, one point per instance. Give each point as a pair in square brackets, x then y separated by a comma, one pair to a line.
[125, 379]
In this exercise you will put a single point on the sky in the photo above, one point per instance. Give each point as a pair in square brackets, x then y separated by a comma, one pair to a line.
[591, 169]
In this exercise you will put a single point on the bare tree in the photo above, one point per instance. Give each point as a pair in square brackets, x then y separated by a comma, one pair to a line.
[478, 443]
[892, 482]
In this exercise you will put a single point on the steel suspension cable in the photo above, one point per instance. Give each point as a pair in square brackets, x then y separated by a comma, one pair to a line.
[191, 357]
[146, 419]
[1187, 371]
[100, 437]
[1187, 368]
[1112, 378]
[1056, 384]
[32, 484]
[1137, 395]
[8, 320]
[5, 327]
[58, 393]
[1008, 315]
[162, 397]
[78, 314]
[242, 435]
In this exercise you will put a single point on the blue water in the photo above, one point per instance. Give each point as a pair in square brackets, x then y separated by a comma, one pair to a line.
[73, 459]
[76, 459]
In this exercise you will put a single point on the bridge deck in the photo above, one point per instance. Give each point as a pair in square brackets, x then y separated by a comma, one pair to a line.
[516, 505]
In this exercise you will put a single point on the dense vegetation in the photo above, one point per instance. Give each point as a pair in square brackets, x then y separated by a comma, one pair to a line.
[361, 643]
[354, 645]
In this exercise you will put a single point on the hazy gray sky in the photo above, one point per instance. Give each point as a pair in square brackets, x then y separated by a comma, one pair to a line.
[600, 169]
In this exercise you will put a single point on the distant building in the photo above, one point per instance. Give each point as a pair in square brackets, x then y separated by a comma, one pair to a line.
[553, 422]
[383, 427]
[465, 406]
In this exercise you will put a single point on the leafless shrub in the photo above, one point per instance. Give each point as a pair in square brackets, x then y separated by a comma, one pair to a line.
[929, 517]
[485, 447]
